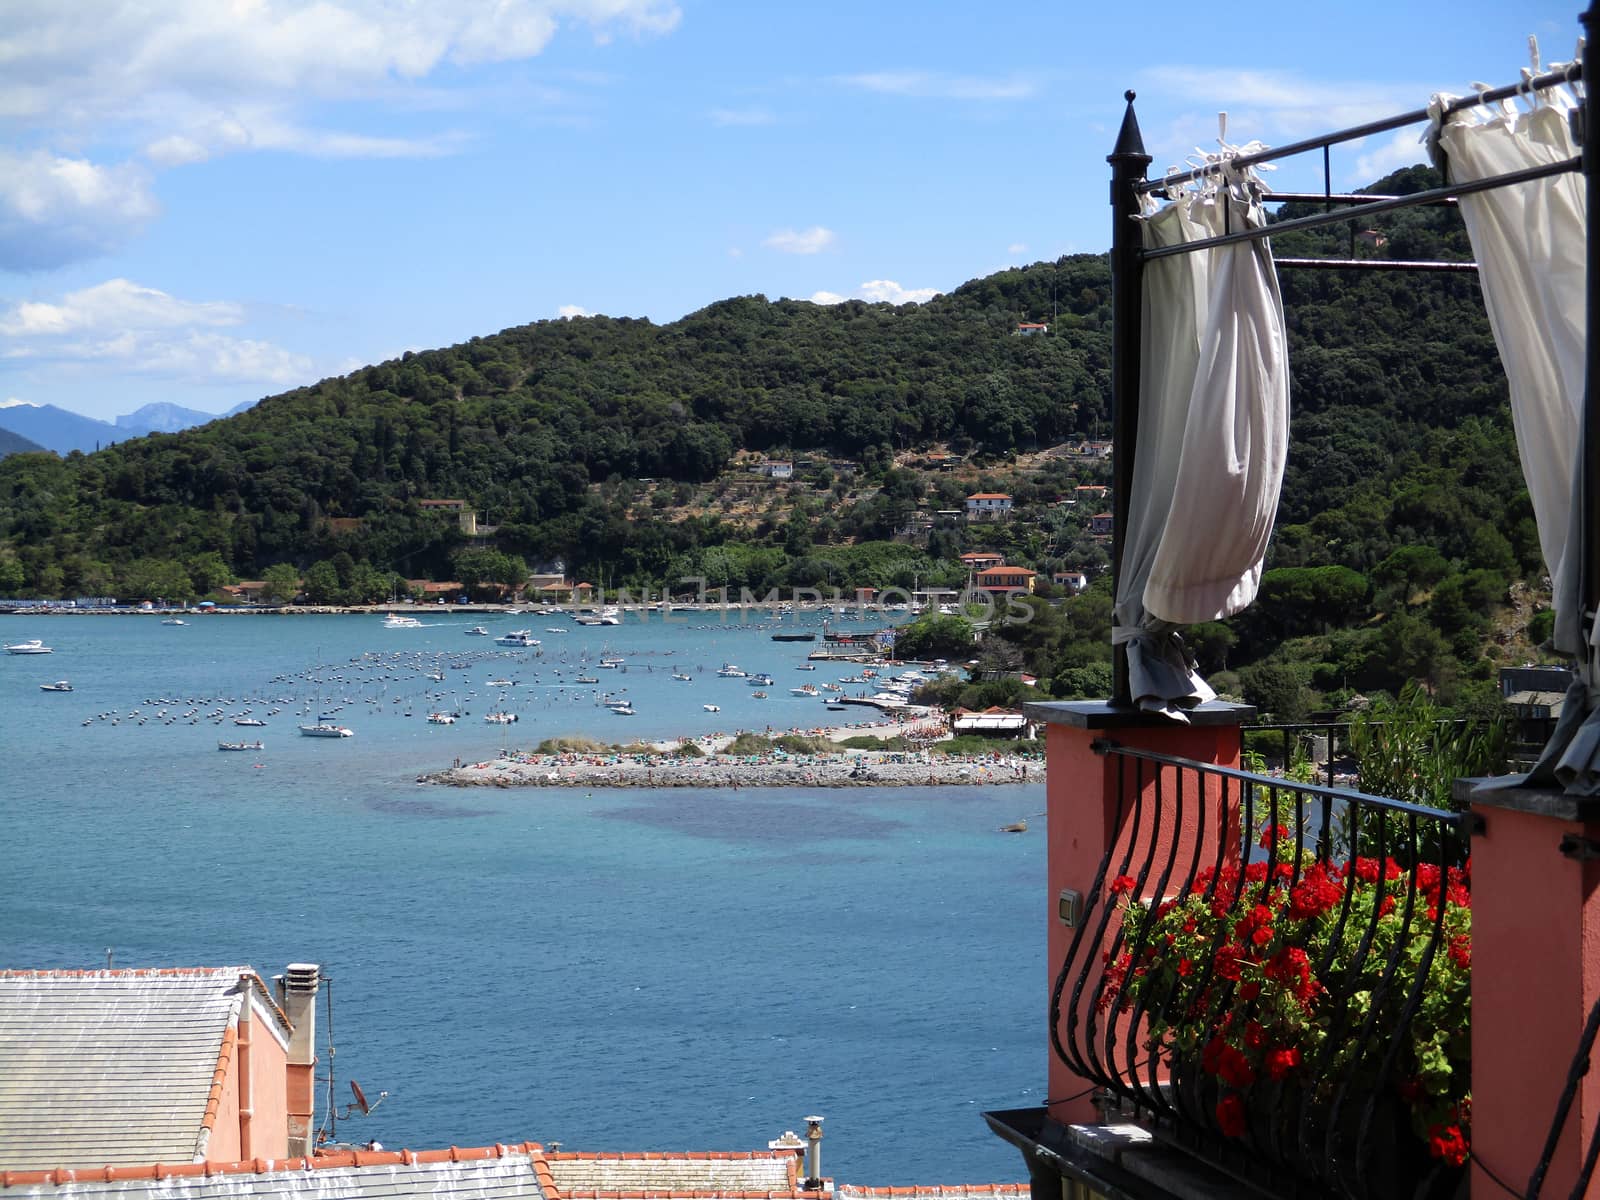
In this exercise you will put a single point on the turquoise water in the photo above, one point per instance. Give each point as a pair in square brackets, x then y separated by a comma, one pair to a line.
[622, 969]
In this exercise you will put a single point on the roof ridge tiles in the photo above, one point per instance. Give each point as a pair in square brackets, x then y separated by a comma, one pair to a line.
[349, 1159]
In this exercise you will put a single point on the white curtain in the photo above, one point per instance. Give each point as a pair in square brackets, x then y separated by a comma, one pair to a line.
[1213, 429]
[1530, 243]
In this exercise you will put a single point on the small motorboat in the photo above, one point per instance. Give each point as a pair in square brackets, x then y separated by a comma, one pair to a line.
[520, 638]
[587, 679]
[174, 621]
[60, 685]
[500, 718]
[759, 680]
[398, 621]
[239, 746]
[477, 631]
[804, 690]
[326, 729]
[33, 646]
[501, 683]
[711, 707]
[252, 721]
[682, 677]
[729, 671]
[441, 718]
[758, 695]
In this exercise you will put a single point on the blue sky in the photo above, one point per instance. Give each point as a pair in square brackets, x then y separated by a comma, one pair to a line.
[209, 201]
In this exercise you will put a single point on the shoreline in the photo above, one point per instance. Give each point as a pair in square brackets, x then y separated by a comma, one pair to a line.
[857, 768]
[713, 768]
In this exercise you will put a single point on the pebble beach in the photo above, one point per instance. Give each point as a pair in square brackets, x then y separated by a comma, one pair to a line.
[666, 767]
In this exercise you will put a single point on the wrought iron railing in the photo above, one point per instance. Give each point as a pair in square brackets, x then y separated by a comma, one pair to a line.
[1275, 976]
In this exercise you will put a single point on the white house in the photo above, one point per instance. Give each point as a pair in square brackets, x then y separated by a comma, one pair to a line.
[988, 506]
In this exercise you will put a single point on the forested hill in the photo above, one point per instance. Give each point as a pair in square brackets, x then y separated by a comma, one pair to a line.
[544, 429]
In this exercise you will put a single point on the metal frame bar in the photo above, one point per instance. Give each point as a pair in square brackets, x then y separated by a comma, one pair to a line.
[1129, 184]
[1383, 125]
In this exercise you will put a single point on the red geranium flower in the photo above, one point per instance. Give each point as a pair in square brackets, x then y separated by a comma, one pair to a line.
[1282, 1060]
[1230, 1115]
[1122, 883]
[1447, 1142]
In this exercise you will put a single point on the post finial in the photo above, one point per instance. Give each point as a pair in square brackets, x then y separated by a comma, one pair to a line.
[1130, 143]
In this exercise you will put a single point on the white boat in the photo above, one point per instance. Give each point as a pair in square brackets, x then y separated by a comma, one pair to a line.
[554, 629]
[711, 708]
[240, 746]
[683, 677]
[729, 671]
[326, 729]
[477, 631]
[806, 690]
[517, 637]
[174, 621]
[441, 718]
[500, 718]
[501, 683]
[759, 680]
[623, 708]
[248, 721]
[60, 685]
[30, 647]
[758, 695]
[396, 621]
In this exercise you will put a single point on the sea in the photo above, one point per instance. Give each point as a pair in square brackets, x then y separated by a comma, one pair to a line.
[626, 969]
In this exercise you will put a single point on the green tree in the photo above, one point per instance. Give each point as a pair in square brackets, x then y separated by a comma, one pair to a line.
[282, 583]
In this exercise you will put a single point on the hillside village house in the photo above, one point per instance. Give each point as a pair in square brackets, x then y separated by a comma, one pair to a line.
[1101, 524]
[1007, 581]
[978, 560]
[113, 1069]
[988, 506]
[460, 509]
[1031, 329]
[1076, 580]
[774, 470]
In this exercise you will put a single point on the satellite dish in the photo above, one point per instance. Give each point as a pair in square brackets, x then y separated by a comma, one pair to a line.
[361, 1098]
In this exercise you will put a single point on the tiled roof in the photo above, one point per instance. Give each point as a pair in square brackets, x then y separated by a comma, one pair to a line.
[115, 1067]
[760, 1173]
[485, 1173]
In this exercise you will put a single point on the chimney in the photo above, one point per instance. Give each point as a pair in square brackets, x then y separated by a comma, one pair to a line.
[298, 992]
[813, 1180]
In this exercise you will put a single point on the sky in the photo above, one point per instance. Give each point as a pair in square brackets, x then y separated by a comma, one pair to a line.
[210, 201]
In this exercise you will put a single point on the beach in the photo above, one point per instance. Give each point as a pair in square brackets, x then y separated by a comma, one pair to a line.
[667, 764]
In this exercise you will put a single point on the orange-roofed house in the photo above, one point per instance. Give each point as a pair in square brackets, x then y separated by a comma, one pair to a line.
[176, 1065]
[988, 506]
[1007, 581]
[979, 560]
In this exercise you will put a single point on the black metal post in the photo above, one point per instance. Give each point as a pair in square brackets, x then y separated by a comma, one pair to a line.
[1590, 466]
[1129, 164]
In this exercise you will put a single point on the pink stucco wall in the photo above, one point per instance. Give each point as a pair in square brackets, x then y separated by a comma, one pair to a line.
[1081, 796]
[1535, 972]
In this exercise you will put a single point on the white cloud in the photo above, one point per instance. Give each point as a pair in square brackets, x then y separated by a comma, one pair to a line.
[1403, 149]
[573, 310]
[1017, 248]
[54, 210]
[741, 116]
[933, 85]
[885, 291]
[123, 328]
[804, 241]
[115, 304]
[13, 402]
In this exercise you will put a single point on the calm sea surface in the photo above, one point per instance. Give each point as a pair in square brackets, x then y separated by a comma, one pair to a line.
[621, 969]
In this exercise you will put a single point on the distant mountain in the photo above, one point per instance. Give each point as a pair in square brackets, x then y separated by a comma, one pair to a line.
[63, 431]
[15, 443]
[241, 407]
[162, 418]
[57, 429]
